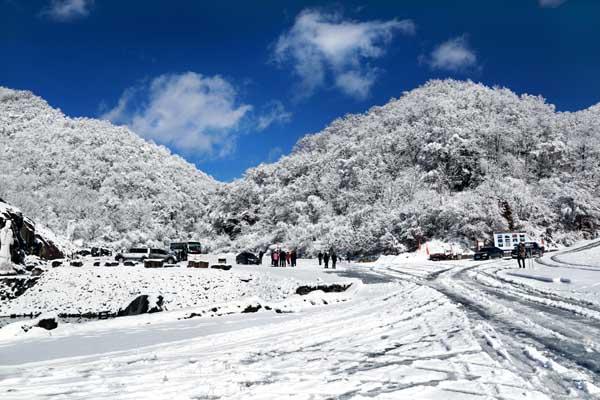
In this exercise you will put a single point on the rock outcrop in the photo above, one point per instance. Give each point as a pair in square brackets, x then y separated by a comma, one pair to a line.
[27, 241]
[143, 304]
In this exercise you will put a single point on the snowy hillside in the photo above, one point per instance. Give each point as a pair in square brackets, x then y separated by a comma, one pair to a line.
[449, 160]
[87, 179]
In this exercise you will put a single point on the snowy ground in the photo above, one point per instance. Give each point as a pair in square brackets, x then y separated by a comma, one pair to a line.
[406, 328]
[79, 290]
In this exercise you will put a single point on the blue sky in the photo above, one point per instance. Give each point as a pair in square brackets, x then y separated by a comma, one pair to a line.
[234, 84]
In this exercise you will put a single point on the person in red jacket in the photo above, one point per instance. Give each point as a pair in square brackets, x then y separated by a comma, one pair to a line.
[275, 256]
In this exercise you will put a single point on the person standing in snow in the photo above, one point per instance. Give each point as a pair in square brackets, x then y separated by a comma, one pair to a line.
[326, 259]
[282, 257]
[293, 256]
[275, 255]
[289, 258]
[320, 257]
[521, 254]
[260, 257]
[334, 259]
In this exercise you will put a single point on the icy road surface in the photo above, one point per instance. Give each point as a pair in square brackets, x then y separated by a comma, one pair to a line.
[413, 329]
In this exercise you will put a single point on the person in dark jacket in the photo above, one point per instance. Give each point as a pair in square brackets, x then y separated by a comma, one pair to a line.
[521, 254]
[334, 259]
[282, 258]
[260, 256]
[320, 257]
[326, 259]
[293, 256]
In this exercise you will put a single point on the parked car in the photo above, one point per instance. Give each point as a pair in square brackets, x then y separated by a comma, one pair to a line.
[144, 253]
[183, 250]
[100, 252]
[533, 249]
[83, 252]
[247, 258]
[442, 256]
[488, 253]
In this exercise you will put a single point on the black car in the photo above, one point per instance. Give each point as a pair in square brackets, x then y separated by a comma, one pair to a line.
[532, 249]
[488, 253]
[246, 258]
[100, 252]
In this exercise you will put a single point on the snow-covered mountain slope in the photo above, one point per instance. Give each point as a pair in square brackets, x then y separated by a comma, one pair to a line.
[448, 160]
[87, 179]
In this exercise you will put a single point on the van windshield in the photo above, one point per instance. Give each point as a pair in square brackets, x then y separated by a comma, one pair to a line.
[194, 248]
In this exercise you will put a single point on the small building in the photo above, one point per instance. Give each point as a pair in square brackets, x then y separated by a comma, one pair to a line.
[508, 240]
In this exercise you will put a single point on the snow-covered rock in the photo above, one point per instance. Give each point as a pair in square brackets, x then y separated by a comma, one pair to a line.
[28, 238]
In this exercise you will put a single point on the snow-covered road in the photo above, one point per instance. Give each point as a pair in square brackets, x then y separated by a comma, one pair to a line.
[527, 327]
[413, 329]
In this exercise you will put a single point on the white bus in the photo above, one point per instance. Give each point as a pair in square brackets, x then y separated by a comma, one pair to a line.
[508, 240]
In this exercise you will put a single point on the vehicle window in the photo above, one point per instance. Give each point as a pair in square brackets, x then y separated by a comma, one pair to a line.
[138, 251]
[158, 251]
[177, 246]
[194, 247]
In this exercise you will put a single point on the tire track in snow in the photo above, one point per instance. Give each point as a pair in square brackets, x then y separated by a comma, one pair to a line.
[519, 320]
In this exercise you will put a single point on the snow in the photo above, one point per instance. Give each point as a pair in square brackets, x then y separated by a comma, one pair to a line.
[572, 274]
[389, 340]
[405, 328]
[89, 289]
[551, 279]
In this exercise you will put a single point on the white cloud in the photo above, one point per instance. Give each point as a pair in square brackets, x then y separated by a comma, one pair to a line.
[453, 55]
[356, 84]
[188, 112]
[67, 10]
[319, 44]
[274, 113]
[551, 3]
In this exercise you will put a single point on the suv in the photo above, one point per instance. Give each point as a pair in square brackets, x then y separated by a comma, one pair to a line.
[100, 252]
[487, 253]
[532, 249]
[145, 253]
[183, 250]
[247, 258]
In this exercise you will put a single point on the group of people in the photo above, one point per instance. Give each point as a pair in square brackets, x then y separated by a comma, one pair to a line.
[281, 258]
[324, 258]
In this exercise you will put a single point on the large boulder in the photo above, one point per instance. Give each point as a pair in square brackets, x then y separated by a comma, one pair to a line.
[27, 241]
[143, 304]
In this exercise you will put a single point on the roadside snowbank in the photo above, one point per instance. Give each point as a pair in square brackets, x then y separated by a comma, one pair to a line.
[81, 290]
[542, 278]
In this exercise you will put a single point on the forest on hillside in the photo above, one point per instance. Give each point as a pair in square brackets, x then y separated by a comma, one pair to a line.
[451, 160]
